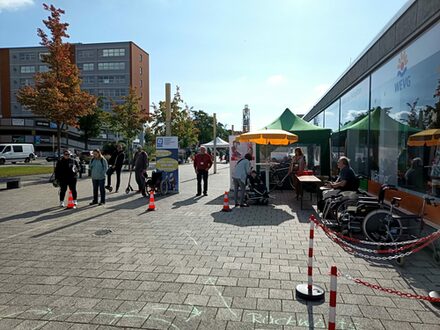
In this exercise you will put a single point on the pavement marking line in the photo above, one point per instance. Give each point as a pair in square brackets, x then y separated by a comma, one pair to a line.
[195, 242]
[211, 282]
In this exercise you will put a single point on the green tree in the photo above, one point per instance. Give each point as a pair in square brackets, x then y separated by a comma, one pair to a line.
[432, 114]
[92, 124]
[57, 95]
[182, 125]
[205, 123]
[128, 118]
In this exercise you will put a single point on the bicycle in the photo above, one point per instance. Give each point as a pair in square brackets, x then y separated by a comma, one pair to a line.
[277, 179]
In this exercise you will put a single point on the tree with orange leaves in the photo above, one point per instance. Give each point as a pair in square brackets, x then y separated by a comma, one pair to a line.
[57, 95]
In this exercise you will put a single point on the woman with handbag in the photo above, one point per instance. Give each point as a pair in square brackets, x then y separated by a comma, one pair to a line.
[66, 172]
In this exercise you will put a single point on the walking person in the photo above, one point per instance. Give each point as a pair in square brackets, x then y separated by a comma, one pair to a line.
[66, 172]
[241, 172]
[141, 164]
[202, 164]
[115, 162]
[98, 168]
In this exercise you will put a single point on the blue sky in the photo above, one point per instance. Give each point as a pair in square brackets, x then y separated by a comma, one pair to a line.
[270, 54]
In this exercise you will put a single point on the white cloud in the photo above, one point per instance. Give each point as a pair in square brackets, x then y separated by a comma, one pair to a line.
[14, 4]
[276, 80]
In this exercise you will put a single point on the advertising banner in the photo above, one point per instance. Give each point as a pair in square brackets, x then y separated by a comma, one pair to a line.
[237, 150]
[167, 153]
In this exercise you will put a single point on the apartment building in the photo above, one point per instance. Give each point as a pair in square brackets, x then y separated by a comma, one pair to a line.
[108, 70]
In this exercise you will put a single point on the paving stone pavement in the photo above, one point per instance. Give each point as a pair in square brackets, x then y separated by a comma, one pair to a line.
[187, 265]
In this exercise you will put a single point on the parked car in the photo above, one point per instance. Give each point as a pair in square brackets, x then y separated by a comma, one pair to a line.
[16, 152]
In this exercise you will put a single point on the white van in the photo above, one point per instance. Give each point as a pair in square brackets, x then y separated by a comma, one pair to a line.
[16, 152]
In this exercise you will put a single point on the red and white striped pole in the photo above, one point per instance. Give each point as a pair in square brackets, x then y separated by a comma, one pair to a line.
[309, 291]
[332, 308]
[310, 260]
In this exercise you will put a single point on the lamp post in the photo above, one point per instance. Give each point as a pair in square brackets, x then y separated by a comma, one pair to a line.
[215, 142]
[168, 109]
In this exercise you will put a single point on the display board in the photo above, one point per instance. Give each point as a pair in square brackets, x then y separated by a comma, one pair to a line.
[237, 150]
[167, 153]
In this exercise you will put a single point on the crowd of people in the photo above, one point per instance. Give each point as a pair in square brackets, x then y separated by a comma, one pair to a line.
[68, 169]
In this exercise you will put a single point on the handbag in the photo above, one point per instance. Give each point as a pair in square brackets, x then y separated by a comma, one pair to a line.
[55, 183]
[110, 171]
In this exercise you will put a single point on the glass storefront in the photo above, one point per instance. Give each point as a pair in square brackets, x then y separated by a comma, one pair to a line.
[331, 120]
[393, 136]
[319, 120]
[353, 136]
[403, 90]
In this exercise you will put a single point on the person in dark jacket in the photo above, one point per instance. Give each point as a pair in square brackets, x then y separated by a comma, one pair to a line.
[140, 163]
[202, 164]
[66, 172]
[115, 163]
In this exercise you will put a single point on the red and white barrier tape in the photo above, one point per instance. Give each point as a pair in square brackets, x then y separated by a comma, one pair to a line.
[341, 240]
[433, 235]
[389, 290]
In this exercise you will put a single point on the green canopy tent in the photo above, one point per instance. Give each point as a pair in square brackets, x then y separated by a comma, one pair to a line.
[307, 134]
[384, 131]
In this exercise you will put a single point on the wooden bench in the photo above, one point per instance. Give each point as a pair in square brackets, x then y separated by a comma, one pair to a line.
[11, 183]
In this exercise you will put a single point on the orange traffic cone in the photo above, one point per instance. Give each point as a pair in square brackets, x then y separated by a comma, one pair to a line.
[70, 204]
[151, 206]
[226, 207]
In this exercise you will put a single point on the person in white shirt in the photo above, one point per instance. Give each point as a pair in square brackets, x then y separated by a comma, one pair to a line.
[241, 172]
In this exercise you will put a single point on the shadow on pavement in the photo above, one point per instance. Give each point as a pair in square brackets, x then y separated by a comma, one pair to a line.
[28, 214]
[186, 202]
[243, 217]
[105, 211]
[71, 224]
[60, 213]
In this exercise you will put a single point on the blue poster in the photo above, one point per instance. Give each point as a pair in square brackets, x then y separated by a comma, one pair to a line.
[167, 153]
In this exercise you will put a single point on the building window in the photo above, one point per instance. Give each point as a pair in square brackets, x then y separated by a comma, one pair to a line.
[26, 82]
[88, 66]
[140, 70]
[88, 80]
[111, 66]
[113, 52]
[353, 133]
[41, 56]
[111, 79]
[112, 92]
[27, 56]
[27, 69]
[43, 68]
[140, 83]
[405, 105]
[140, 57]
[85, 53]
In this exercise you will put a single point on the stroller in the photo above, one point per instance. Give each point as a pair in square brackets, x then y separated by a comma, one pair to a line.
[258, 192]
[156, 182]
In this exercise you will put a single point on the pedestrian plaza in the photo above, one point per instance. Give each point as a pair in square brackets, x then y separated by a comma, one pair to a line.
[188, 265]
